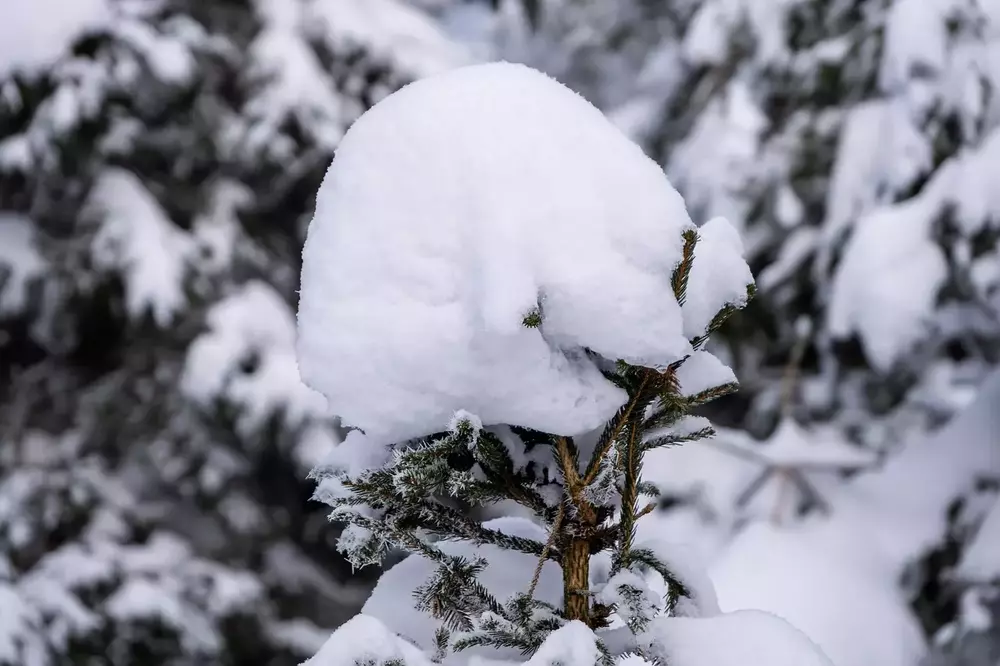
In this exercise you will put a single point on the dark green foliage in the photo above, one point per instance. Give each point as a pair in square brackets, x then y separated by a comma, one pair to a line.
[533, 319]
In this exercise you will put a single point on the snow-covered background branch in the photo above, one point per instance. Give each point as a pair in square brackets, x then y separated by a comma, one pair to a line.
[159, 161]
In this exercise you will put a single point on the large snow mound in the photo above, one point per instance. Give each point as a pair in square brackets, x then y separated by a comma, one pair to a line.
[454, 208]
[365, 640]
[806, 576]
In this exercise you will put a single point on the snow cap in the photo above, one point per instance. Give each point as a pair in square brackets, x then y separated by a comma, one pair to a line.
[457, 207]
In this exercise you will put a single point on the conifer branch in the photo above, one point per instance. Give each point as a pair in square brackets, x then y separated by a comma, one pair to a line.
[447, 522]
[723, 315]
[714, 393]
[568, 465]
[553, 532]
[454, 594]
[443, 521]
[615, 427]
[630, 491]
[673, 439]
[679, 279]
[675, 587]
[646, 510]
[504, 482]
[523, 625]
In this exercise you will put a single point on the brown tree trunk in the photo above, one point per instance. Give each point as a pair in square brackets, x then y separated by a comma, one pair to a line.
[574, 538]
[576, 580]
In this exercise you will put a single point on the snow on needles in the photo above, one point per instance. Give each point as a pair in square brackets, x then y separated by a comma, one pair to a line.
[459, 205]
[136, 235]
[391, 602]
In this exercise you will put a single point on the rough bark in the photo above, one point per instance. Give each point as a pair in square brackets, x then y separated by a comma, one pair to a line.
[576, 579]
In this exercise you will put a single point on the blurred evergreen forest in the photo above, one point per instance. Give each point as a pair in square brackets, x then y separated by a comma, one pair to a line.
[158, 166]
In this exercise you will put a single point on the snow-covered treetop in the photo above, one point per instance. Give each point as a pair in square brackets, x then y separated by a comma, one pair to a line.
[484, 241]
[508, 300]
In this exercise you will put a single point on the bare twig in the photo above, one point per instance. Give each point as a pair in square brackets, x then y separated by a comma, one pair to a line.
[547, 549]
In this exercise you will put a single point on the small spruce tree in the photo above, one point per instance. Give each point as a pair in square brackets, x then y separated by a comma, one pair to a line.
[588, 495]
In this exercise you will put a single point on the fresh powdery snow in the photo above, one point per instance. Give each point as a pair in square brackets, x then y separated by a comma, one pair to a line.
[729, 639]
[703, 371]
[570, 644]
[365, 640]
[467, 201]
